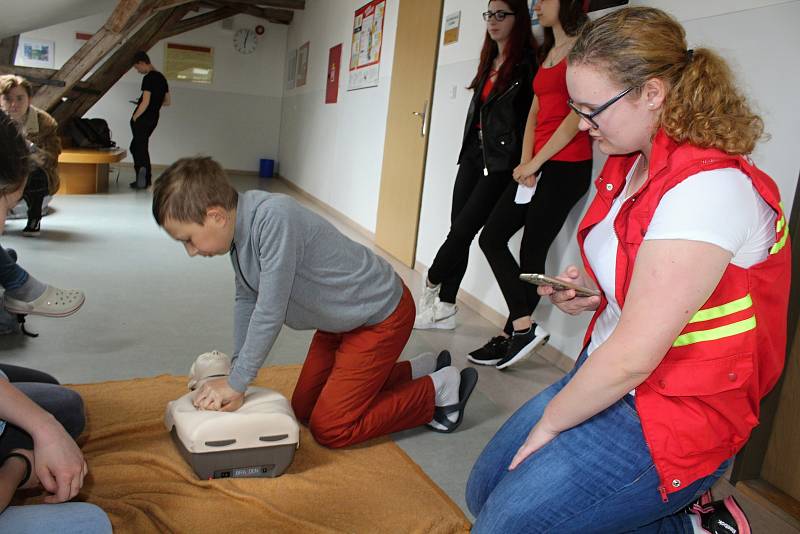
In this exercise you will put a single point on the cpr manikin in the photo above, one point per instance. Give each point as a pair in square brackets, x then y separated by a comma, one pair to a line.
[257, 440]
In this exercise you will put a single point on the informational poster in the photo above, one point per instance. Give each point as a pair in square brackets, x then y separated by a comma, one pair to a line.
[291, 68]
[365, 48]
[302, 65]
[189, 63]
[334, 66]
[452, 24]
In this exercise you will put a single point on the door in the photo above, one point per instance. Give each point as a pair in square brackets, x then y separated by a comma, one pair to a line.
[406, 142]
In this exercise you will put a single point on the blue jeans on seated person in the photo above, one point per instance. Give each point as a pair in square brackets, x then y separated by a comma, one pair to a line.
[64, 518]
[12, 276]
[64, 404]
[596, 477]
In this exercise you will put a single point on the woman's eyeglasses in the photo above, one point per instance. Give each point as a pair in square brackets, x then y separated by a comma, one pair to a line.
[499, 16]
[589, 117]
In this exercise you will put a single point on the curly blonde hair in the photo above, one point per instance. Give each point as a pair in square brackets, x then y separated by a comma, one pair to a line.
[703, 106]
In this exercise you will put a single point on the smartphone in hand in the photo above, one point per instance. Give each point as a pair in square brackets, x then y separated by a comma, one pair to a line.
[560, 285]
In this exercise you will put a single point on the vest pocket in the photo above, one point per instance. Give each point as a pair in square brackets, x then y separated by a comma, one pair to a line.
[690, 378]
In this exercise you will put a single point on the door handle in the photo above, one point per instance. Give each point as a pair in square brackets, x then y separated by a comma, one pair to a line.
[423, 131]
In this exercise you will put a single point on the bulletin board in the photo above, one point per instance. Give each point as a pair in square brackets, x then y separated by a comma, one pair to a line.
[365, 48]
[189, 63]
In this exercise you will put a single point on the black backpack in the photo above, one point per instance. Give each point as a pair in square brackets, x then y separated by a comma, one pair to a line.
[90, 133]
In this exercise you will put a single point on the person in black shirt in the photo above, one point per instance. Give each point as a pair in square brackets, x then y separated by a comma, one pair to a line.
[155, 93]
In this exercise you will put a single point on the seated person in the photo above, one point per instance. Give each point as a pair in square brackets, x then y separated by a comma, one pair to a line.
[687, 242]
[38, 423]
[24, 294]
[40, 129]
[293, 267]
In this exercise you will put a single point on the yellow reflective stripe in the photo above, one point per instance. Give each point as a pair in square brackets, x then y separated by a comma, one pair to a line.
[716, 333]
[780, 244]
[722, 310]
[779, 224]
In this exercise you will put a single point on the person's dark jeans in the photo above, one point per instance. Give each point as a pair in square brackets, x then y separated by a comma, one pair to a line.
[561, 185]
[142, 128]
[12, 276]
[35, 190]
[474, 197]
[65, 405]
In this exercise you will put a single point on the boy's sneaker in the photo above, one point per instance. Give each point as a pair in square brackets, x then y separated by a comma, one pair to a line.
[522, 345]
[722, 517]
[491, 353]
[32, 229]
[441, 316]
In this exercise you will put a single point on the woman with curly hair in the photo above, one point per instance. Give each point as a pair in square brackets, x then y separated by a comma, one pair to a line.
[687, 241]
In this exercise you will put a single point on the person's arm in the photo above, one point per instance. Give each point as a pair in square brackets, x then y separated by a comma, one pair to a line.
[561, 137]
[671, 279]
[243, 306]
[59, 462]
[142, 105]
[167, 99]
[279, 254]
[11, 474]
[49, 141]
[530, 128]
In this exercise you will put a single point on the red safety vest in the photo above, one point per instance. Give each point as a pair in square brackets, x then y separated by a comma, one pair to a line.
[699, 405]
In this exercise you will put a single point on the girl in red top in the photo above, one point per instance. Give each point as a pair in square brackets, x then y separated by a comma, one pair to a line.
[490, 150]
[557, 160]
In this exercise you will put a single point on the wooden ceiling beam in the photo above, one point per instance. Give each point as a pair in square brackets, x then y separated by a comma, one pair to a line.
[119, 63]
[276, 16]
[92, 51]
[8, 49]
[281, 4]
[197, 21]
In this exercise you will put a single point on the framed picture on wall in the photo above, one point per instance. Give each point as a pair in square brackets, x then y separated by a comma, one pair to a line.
[291, 68]
[302, 65]
[36, 53]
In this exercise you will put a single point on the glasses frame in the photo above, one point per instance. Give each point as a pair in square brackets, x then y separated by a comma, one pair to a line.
[487, 15]
[589, 117]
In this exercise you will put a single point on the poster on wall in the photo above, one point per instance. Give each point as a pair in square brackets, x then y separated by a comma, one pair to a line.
[365, 47]
[189, 63]
[291, 68]
[334, 66]
[36, 53]
[452, 24]
[302, 65]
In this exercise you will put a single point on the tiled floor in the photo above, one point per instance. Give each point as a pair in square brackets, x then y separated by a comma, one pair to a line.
[151, 310]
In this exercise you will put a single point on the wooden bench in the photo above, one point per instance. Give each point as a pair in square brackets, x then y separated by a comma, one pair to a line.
[85, 170]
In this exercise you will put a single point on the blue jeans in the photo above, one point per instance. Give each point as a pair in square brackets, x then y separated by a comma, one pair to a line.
[64, 518]
[12, 276]
[596, 477]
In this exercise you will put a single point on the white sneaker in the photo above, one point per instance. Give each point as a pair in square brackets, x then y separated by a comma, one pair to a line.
[440, 316]
[429, 296]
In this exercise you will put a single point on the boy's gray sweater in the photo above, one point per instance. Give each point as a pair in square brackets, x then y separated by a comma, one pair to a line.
[293, 267]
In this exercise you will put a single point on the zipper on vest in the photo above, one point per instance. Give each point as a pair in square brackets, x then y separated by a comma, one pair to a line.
[663, 491]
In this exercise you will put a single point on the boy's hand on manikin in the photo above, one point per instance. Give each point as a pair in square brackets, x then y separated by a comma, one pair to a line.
[217, 395]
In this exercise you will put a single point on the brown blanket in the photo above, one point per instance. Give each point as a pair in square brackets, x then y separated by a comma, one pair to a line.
[139, 478]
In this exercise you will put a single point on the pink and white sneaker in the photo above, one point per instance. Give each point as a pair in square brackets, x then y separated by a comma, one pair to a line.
[721, 517]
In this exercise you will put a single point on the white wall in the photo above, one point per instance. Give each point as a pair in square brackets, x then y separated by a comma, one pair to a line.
[235, 119]
[335, 151]
[758, 37]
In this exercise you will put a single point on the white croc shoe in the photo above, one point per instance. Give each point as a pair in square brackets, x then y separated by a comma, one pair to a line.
[54, 302]
[440, 316]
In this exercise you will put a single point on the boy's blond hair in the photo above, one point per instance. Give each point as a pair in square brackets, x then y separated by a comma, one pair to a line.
[188, 188]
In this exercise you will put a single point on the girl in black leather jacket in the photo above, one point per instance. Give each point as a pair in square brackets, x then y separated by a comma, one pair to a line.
[490, 150]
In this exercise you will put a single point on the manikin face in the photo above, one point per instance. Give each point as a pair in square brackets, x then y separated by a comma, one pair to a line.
[16, 103]
[499, 31]
[212, 238]
[547, 12]
[627, 125]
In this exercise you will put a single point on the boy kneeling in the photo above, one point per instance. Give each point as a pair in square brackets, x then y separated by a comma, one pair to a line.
[291, 266]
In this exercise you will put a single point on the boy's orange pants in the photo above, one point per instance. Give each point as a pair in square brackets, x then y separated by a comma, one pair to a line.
[352, 388]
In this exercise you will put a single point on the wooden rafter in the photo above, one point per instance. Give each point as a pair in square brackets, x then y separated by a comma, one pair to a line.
[198, 21]
[120, 62]
[8, 49]
[282, 4]
[89, 54]
[276, 16]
